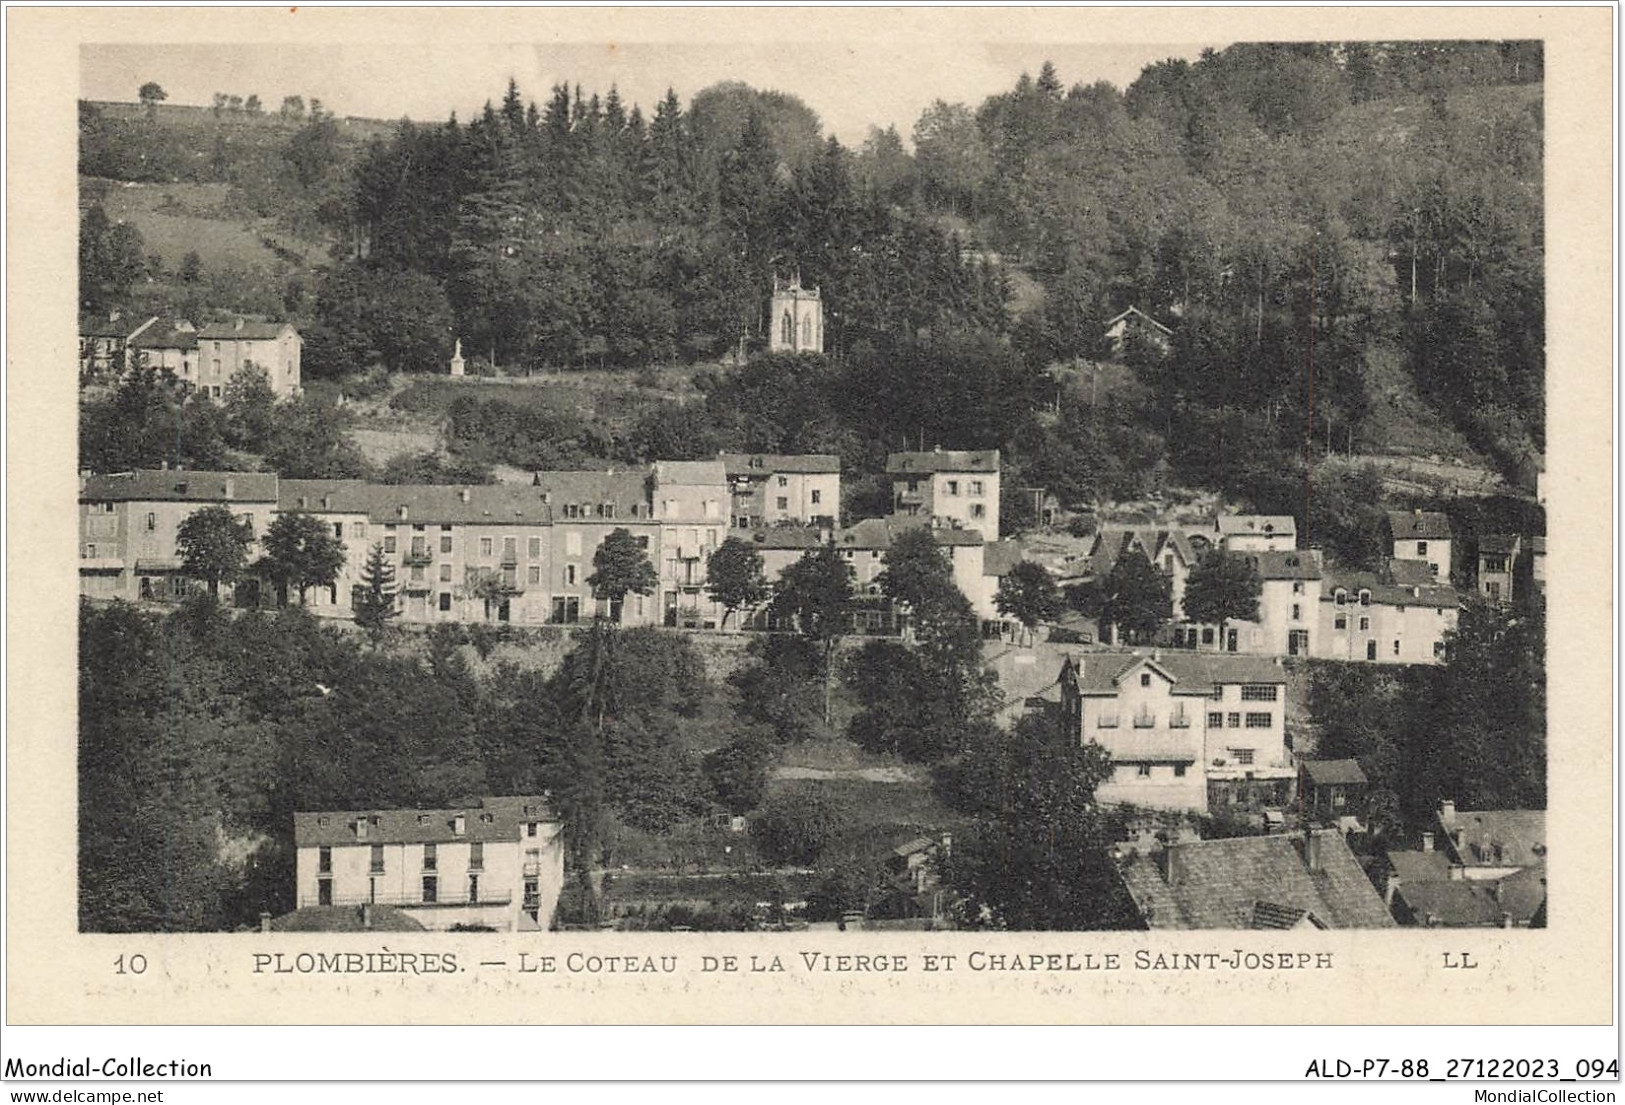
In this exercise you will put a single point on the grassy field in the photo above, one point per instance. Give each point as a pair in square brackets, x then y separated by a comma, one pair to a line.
[208, 219]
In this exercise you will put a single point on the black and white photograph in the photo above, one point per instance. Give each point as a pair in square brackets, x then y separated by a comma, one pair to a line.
[582, 500]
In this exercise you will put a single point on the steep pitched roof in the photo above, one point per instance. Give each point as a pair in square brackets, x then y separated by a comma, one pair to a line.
[1194, 673]
[165, 337]
[1272, 915]
[493, 819]
[999, 558]
[879, 533]
[1135, 312]
[100, 326]
[245, 330]
[1219, 884]
[1325, 773]
[1498, 838]
[1285, 564]
[1498, 544]
[1413, 866]
[1476, 902]
[688, 472]
[436, 504]
[1425, 525]
[1253, 525]
[942, 460]
[180, 485]
[1388, 593]
[767, 464]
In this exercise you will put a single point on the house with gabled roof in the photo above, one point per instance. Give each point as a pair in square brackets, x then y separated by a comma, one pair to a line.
[1497, 563]
[1250, 533]
[1476, 869]
[1396, 615]
[769, 489]
[1422, 535]
[104, 344]
[1137, 322]
[1186, 731]
[952, 487]
[1306, 880]
[495, 862]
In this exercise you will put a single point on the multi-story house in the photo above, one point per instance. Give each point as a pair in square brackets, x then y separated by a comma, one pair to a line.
[104, 345]
[1251, 533]
[1422, 535]
[271, 346]
[1397, 615]
[587, 507]
[691, 500]
[769, 489]
[1497, 561]
[956, 487]
[1172, 552]
[498, 864]
[1184, 730]
[1288, 609]
[171, 347]
[1488, 871]
[128, 523]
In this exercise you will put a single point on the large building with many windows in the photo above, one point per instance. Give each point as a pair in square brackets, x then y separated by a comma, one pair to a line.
[953, 487]
[1185, 730]
[495, 863]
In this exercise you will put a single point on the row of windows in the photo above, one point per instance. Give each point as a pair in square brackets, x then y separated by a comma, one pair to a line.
[1265, 692]
[972, 487]
[1233, 720]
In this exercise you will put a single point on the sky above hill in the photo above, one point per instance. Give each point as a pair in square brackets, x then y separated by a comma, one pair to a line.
[852, 83]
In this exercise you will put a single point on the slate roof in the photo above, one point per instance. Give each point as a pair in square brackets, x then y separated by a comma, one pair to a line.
[100, 326]
[180, 485]
[1220, 884]
[1194, 673]
[1327, 773]
[1251, 525]
[1285, 564]
[1409, 573]
[249, 330]
[1388, 593]
[767, 464]
[999, 558]
[1537, 545]
[784, 537]
[1425, 525]
[878, 533]
[1270, 915]
[1499, 838]
[494, 819]
[1111, 542]
[1498, 544]
[1476, 902]
[345, 919]
[686, 472]
[1413, 866]
[435, 504]
[942, 460]
[165, 337]
[1137, 313]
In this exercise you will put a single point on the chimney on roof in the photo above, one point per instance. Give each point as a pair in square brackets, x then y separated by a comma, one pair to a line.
[1506, 919]
[1170, 864]
[1447, 812]
[265, 921]
[462, 494]
[231, 487]
[401, 511]
[947, 845]
[1390, 889]
[238, 325]
[459, 824]
[1427, 842]
[1311, 852]
[1457, 872]
[361, 828]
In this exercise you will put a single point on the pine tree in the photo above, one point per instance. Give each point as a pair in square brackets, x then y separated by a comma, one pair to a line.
[375, 599]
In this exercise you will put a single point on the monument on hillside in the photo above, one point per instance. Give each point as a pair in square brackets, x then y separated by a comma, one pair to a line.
[457, 359]
[797, 319]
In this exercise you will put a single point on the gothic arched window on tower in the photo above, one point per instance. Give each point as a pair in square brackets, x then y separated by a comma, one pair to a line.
[787, 330]
[806, 332]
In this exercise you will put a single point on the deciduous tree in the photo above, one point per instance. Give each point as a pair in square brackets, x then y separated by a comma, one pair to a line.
[1222, 587]
[213, 545]
[301, 552]
[1029, 595]
[1137, 600]
[621, 567]
[734, 576]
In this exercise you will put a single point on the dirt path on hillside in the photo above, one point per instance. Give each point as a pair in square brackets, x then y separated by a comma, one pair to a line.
[866, 774]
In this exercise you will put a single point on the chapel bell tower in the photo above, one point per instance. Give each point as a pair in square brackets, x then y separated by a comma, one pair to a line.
[797, 319]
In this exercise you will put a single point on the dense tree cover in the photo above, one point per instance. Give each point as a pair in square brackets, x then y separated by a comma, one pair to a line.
[1473, 729]
[795, 825]
[1136, 599]
[200, 723]
[1222, 587]
[148, 421]
[112, 257]
[1035, 856]
[782, 686]
[621, 567]
[213, 545]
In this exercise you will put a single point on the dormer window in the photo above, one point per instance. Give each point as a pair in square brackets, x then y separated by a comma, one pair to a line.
[1365, 597]
[1341, 597]
[1421, 548]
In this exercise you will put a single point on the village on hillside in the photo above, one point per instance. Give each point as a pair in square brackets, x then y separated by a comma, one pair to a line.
[872, 547]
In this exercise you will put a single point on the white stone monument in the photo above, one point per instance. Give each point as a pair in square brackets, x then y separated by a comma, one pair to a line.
[457, 359]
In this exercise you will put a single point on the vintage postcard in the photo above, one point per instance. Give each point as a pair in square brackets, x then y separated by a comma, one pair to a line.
[814, 516]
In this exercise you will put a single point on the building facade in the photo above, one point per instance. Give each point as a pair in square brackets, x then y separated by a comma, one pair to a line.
[1185, 731]
[796, 317]
[495, 864]
[1422, 535]
[768, 489]
[1398, 615]
[273, 347]
[104, 345]
[951, 486]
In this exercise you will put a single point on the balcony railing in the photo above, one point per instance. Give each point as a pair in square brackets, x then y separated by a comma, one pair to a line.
[1145, 721]
[1106, 721]
[418, 559]
[1179, 721]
